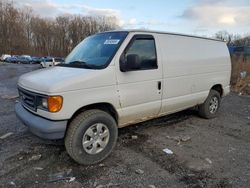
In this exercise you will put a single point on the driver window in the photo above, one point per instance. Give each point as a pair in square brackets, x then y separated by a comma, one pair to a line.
[145, 48]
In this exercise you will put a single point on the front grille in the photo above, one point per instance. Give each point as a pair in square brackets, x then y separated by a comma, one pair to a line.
[28, 99]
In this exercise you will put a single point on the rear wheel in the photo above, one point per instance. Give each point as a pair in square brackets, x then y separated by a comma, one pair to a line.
[209, 109]
[91, 136]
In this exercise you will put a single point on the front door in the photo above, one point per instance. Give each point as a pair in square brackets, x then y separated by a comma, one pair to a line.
[140, 88]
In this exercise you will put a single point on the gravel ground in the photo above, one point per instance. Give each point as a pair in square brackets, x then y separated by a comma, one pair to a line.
[206, 153]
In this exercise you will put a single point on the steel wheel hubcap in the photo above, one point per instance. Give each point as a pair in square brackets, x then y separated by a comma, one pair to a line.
[213, 105]
[96, 138]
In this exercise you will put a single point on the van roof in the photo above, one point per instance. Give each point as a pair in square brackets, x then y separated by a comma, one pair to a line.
[162, 32]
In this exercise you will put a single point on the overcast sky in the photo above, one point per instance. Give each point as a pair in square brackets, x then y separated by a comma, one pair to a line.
[200, 17]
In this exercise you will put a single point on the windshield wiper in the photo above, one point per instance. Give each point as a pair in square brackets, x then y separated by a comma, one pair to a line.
[77, 64]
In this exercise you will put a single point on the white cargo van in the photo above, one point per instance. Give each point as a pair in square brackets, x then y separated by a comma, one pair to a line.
[114, 79]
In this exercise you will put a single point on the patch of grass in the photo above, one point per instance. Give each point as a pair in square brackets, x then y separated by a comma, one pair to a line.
[240, 64]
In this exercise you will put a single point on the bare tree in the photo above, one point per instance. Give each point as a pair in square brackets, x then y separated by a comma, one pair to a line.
[21, 32]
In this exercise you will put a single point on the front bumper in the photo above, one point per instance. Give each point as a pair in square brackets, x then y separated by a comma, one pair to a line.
[40, 126]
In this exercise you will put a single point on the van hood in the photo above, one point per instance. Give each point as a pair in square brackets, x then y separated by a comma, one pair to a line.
[62, 79]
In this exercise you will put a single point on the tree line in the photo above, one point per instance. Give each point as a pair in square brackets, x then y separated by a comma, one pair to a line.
[23, 32]
[233, 39]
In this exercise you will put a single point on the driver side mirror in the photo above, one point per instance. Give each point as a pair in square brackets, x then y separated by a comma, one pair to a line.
[129, 62]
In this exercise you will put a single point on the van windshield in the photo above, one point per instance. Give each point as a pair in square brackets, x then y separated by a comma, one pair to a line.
[95, 52]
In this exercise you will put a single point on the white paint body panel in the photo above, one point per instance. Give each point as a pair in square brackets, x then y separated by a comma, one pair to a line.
[191, 67]
[79, 88]
[187, 68]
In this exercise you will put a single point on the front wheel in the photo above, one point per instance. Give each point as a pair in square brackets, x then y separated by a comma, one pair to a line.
[209, 109]
[91, 136]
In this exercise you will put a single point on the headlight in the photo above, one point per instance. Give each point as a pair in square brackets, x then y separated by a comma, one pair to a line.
[50, 103]
[44, 103]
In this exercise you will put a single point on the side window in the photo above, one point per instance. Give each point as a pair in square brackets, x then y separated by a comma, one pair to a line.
[143, 47]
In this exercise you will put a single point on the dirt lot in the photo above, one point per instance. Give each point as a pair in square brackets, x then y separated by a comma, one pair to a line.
[206, 153]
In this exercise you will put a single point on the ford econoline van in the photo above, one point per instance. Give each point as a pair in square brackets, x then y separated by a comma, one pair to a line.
[118, 78]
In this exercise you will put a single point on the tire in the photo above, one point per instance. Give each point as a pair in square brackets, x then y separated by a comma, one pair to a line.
[206, 110]
[78, 134]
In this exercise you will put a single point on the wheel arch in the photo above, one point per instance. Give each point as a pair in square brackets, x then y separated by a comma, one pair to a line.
[219, 88]
[107, 107]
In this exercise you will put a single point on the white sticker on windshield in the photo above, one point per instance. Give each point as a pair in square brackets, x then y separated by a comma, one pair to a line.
[112, 41]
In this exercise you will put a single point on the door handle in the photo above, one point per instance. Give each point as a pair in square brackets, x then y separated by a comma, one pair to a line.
[159, 85]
